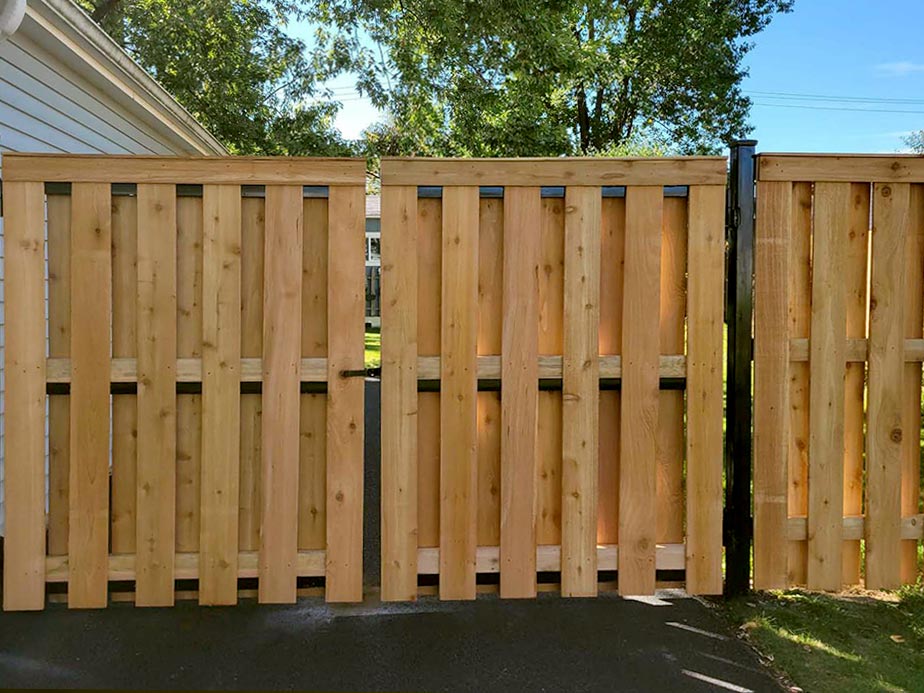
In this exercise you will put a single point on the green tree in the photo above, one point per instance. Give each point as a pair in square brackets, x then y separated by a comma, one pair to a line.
[234, 67]
[547, 77]
[915, 141]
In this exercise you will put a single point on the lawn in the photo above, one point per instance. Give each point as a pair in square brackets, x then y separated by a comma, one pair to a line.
[373, 349]
[854, 642]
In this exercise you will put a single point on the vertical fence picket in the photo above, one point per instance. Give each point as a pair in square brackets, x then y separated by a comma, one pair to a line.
[640, 390]
[580, 391]
[281, 371]
[704, 383]
[458, 393]
[221, 399]
[346, 301]
[886, 370]
[520, 396]
[399, 393]
[91, 300]
[771, 382]
[24, 497]
[59, 346]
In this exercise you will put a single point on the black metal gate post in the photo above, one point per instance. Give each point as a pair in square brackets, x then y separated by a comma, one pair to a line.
[739, 223]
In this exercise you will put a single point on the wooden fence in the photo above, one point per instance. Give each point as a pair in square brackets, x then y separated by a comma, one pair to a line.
[838, 323]
[537, 347]
[188, 317]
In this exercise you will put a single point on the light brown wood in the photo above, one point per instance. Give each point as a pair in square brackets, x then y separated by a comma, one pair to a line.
[586, 171]
[845, 168]
[612, 248]
[855, 279]
[771, 382]
[221, 398]
[251, 488]
[827, 362]
[458, 394]
[704, 390]
[281, 353]
[156, 332]
[580, 391]
[93, 168]
[911, 388]
[91, 300]
[856, 350]
[399, 394]
[670, 447]
[189, 223]
[911, 528]
[550, 367]
[58, 209]
[490, 328]
[886, 370]
[800, 321]
[24, 366]
[313, 370]
[640, 393]
[520, 394]
[312, 449]
[346, 299]
[429, 296]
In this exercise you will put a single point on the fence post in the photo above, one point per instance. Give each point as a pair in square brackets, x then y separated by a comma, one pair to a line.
[739, 311]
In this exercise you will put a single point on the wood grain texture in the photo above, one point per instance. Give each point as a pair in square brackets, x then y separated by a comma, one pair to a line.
[91, 301]
[640, 391]
[520, 394]
[93, 168]
[458, 394]
[704, 389]
[221, 398]
[844, 168]
[856, 278]
[612, 249]
[911, 388]
[670, 448]
[771, 382]
[24, 367]
[580, 391]
[886, 372]
[58, 210]
[189, 223]
[156, 331]
[827, 361]
[800, 322]
[251, 484]
[399, 394]
[282, 330]
[429, 308]
[573, 171]
[346, 299]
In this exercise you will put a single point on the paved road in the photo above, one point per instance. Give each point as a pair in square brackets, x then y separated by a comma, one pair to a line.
[550, 644]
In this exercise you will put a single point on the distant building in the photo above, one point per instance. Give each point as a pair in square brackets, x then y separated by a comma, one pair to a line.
[373, 260]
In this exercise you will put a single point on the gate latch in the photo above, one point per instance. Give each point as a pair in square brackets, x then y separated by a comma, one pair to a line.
[362, 373]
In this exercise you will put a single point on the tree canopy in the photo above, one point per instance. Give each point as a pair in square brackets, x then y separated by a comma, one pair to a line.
[547, 77]
[232, 64]
[915, 141]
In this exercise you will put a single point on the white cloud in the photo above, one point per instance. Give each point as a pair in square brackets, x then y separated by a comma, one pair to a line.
[901, 68]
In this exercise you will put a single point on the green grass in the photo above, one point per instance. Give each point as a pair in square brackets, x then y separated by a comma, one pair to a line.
[845, 643]
[373, 349]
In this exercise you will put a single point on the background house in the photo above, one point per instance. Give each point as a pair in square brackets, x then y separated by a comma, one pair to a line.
[373, 260]
[66, 86]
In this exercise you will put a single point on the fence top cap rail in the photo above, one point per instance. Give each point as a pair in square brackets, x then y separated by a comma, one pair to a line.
[841, 168]
[592, 171]
[127, 168]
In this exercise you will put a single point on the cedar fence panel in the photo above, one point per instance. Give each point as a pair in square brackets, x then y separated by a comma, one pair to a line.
[839, 287]
[200, 424]
[552, 374]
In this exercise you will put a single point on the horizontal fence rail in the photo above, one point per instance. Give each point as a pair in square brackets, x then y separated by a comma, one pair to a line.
[497, 297]
[163, 273]
[839, 321]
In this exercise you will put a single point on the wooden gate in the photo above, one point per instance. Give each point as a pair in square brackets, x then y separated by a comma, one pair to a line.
[188, 317]
[838, 322]
[537, 345]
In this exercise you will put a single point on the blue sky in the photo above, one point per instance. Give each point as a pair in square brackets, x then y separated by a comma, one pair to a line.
[868, 56]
